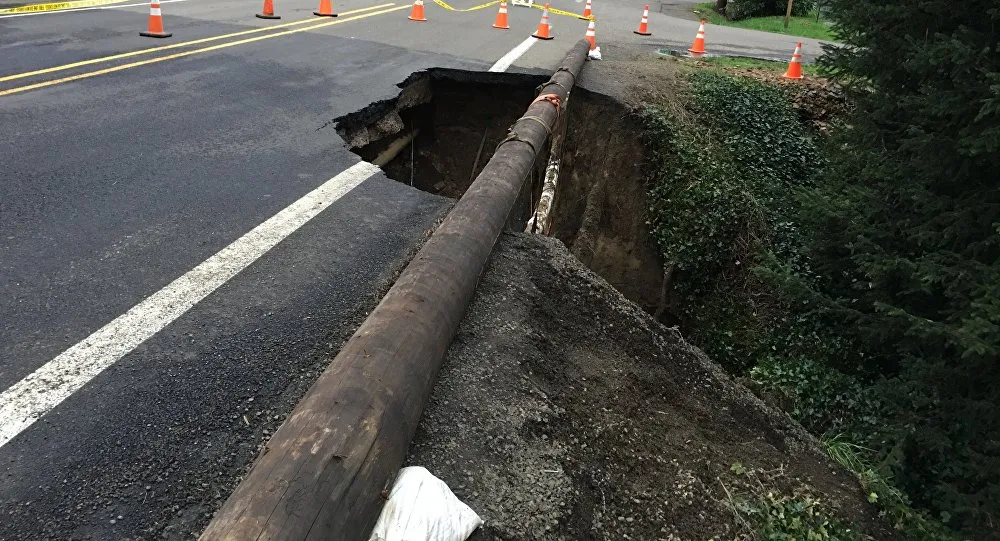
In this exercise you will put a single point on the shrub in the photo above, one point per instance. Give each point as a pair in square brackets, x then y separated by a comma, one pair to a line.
[824, 400]
[719, 186]
[736, 10]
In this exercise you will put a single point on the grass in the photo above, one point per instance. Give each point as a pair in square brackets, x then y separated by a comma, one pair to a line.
[807, 27]
[846, 454]
[894, 504]
[810, 70]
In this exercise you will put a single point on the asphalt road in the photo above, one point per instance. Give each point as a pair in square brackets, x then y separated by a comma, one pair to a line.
[122, 169]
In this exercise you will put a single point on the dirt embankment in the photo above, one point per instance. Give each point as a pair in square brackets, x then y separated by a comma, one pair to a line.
[599, 209]
[564, 412]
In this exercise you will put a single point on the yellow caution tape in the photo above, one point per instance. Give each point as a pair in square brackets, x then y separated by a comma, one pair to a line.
[58, 6]
[552, 10]
[445, 5]
[556, 11]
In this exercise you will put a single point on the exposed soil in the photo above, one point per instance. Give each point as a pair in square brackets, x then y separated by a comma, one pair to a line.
[564, 412]
[455, 118]
[599, 208]
[444, 125]
[600, 205]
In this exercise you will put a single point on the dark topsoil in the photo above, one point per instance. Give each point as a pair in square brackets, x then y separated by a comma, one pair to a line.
[565, 412]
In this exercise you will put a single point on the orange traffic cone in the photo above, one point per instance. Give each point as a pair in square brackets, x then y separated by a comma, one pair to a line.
[644, 23]
[591, 36]
[417, 13]
[325, 9]
[155, 22]
[587, 12]
[795, 65]
[501, 21]
[543, 26]
[268, 12]
[698, 47]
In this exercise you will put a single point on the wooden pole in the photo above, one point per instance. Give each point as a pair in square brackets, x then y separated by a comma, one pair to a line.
[323, 472]
[788, 13]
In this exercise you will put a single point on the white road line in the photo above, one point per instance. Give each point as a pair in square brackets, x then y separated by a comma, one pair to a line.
[512, 56]
[47, 387]
[116, 6]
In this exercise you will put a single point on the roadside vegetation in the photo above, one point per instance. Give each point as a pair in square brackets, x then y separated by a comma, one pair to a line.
[853, 276]
[768, 17]
[765, 514]
[743, 62]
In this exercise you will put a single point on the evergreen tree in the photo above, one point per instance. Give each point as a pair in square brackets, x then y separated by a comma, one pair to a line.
[907, 234]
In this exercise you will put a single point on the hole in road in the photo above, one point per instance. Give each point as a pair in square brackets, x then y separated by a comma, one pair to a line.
[442, 128]
[430, 136]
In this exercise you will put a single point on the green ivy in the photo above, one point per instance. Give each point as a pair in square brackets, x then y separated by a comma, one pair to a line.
[690, 178]
[758, 127]
[723, 177]
[822, 399]
[804, 518]
[743, 9]
[766, 261]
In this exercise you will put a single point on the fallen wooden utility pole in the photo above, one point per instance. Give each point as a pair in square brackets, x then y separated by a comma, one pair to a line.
[322, 474]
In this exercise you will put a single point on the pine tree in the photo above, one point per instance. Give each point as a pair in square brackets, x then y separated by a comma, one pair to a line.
[907, 232]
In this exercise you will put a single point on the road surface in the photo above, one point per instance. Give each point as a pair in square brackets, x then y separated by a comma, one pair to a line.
[184, 241]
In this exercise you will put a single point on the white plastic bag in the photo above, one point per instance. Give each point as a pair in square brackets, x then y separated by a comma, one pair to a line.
[421, 507]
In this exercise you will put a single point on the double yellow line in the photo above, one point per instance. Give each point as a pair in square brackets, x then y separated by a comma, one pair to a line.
[449, 7]
[57, 6]
[365, 13]
[552, 10]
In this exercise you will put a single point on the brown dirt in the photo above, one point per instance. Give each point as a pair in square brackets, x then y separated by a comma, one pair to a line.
[459, 118]
[600, 205]
[563, 412]
[599, 209]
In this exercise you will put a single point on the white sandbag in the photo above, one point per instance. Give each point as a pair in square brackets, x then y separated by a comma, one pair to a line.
[594, 54]
[421, 507]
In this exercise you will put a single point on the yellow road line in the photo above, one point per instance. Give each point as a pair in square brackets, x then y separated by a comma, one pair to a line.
[58, 6]
[189, 53]
[552, 10]
[445, 5]
[174, 46]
